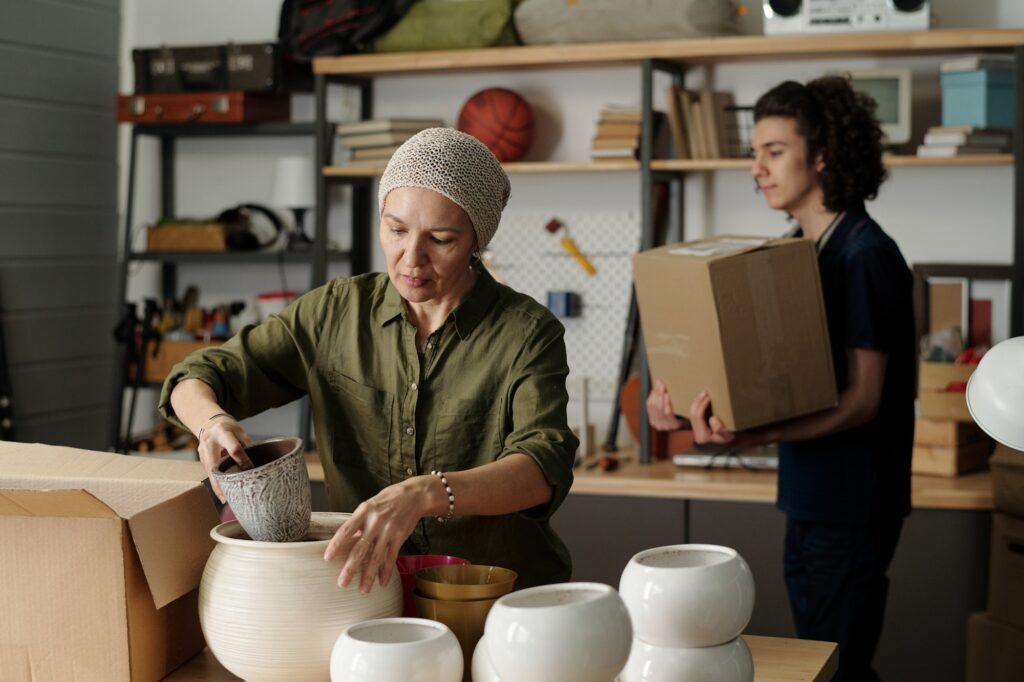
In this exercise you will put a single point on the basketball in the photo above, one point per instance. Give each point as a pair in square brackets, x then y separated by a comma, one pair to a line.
[501, 119]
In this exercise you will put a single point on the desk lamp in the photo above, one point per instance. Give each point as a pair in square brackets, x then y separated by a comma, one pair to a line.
[995, 393]
[294, 189]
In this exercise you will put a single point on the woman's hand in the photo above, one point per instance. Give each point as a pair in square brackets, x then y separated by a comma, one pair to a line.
[223, 437]
[660, 414]
[369, 542]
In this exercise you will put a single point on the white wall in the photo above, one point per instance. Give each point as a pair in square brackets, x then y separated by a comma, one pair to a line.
[935, 214]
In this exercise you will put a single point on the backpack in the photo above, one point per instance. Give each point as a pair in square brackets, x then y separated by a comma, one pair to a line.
[311, 28]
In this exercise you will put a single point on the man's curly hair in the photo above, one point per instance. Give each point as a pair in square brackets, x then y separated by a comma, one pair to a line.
[840, 125]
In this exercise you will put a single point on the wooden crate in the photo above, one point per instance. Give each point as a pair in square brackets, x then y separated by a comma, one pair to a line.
[946, 432]
[934, 401]
[950, 461]
[204, 237]
[168, 354]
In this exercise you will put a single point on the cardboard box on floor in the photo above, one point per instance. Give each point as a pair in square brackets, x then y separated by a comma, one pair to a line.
[740, 317]
[995, 650]
[1006, 570]
[102, 560]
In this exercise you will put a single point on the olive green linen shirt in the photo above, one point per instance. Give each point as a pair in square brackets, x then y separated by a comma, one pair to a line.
[489, 382]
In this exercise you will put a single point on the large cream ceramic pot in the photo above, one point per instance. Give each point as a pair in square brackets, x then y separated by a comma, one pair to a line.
[273, 610]
[571, 632]
[688, 595]
[729, 662]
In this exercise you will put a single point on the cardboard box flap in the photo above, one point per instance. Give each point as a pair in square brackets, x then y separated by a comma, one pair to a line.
[173, 541]
[53, 503]
[719, 247]
[34, 459]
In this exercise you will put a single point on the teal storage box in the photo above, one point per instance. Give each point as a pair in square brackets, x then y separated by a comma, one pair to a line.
[982, 98]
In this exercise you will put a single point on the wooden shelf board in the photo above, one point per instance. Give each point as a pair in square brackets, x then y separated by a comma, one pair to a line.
[676, 165]
[718, 49]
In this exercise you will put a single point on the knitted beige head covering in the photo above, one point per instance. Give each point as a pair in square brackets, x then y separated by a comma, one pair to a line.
[456, 165]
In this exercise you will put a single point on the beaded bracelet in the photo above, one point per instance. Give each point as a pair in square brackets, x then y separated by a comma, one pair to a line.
[451, 497]
[203, 427]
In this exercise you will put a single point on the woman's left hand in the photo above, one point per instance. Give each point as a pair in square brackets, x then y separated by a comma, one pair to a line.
[369, 542]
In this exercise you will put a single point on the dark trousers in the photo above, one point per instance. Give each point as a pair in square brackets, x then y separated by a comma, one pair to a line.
[836, 578]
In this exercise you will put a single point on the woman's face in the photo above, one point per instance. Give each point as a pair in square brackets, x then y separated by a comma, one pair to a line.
[427, 240]
[781, 169]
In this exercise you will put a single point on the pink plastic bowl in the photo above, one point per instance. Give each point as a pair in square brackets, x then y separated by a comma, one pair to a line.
[407, 567]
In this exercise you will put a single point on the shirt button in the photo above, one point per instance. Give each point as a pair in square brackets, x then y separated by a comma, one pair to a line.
[408, 472]
[409, 431]
[412, 386]
[430, 344]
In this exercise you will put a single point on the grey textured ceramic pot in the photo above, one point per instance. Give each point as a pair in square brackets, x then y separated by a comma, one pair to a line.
[272, 501]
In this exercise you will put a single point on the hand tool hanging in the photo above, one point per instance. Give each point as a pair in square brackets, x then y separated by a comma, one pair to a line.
[555, 225]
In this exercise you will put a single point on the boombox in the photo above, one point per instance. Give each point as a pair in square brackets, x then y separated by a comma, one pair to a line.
[843, 16]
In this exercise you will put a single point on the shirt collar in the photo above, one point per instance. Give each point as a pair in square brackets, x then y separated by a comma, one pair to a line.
[466, 316]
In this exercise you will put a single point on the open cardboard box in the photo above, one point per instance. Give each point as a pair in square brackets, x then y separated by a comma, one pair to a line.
[102, 560]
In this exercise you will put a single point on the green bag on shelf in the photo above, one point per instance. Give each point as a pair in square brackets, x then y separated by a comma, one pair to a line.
[451, 25]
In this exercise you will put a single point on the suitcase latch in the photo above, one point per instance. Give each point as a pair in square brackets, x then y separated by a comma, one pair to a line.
[221, 104]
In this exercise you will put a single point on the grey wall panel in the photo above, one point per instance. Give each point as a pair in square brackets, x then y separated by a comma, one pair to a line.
[78, 428]
[49, 388]
[54, 336]
[54, 233]
[51, 181]
[61, 287]
[60, 26]
[56, 129]
[53, 77]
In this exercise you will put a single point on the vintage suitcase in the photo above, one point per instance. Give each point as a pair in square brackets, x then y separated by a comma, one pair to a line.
[203, 107]
[251, 67]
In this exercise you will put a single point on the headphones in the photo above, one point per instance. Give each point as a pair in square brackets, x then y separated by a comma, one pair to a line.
[243, 238]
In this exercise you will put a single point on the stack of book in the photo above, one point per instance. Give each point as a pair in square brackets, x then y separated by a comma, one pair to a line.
[618, 134]
[375, 140]
[943, 141]
[704, 124]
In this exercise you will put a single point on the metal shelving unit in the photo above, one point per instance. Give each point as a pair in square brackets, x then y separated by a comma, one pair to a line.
[318, 256]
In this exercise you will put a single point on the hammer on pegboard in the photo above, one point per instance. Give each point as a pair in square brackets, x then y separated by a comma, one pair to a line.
[554, 226]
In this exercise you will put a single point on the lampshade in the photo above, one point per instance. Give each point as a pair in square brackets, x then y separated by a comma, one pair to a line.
[293, 182]
[995, 393]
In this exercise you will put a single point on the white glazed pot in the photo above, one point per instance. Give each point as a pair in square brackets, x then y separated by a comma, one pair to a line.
[730, 662]
[571, 632]
[273, 610]
[688, 595]
[482, 669]
[397, 650]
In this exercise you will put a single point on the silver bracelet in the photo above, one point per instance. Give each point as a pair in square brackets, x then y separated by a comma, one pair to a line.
[203, 427]
[451, 497]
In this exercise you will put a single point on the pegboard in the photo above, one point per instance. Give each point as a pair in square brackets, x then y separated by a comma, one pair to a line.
[531, 260]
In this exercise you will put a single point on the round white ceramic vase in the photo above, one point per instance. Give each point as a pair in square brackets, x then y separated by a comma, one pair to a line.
[688, 595]
[729, 662]
[571, 632]
[397, 650]
[273, 610]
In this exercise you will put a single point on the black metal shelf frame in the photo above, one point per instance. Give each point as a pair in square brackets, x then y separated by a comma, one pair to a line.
[318, 256]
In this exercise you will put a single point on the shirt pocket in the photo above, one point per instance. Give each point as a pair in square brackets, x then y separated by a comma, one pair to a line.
[466, 435]
[361, 426]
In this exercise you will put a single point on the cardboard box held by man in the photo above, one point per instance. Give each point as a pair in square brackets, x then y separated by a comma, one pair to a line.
[742, 318]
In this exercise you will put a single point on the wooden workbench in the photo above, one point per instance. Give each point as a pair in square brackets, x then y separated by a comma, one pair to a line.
[776, 659]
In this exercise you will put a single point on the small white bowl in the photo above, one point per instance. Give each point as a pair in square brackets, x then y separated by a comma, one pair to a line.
[730, 662]
[688, 595]
[571, 632]
[396, 650]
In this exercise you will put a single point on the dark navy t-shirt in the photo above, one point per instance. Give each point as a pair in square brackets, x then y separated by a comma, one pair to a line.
[861, 474]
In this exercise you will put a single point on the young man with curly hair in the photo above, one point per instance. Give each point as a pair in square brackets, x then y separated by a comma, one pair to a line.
[844, 473]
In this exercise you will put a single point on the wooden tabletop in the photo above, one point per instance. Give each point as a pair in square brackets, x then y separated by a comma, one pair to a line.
[665, 480]
[662, 479]
[776, 659]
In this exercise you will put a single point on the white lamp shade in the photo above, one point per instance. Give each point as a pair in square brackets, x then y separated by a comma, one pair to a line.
[995, 393]
[294, 182]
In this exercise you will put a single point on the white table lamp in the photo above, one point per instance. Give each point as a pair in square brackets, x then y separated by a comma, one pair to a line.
[995, 393]
[294, 189]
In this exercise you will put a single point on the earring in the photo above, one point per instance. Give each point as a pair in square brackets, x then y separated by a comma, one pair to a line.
[474, 259]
